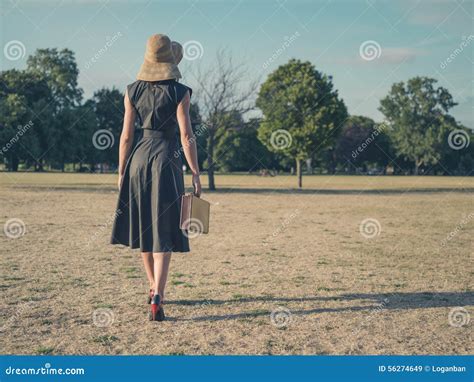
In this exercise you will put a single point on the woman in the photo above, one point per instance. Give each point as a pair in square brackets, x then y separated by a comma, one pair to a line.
[150, 177]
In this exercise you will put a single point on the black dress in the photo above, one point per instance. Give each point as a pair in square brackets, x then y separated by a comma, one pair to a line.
[148, 208]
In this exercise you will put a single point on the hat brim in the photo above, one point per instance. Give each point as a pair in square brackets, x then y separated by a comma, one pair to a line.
[157, 71]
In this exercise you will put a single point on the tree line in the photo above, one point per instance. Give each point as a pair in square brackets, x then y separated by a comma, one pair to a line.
[45, 124]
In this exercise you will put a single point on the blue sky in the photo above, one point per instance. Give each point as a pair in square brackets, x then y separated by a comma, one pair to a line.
[415, 38]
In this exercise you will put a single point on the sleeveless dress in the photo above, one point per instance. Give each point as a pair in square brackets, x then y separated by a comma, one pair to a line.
[149, 203]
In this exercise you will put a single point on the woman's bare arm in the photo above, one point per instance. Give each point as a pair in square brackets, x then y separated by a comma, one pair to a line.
[126, 138]
[188, 141]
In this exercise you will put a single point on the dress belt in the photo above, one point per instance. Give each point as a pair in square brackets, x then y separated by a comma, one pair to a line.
[167, 134]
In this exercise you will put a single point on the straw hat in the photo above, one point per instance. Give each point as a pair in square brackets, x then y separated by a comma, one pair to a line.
[161, 59]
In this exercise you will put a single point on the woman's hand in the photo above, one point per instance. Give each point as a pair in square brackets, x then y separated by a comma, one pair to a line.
[197, 185]
[120, 181]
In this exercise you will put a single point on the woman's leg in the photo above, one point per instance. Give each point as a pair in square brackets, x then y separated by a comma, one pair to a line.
[161, 262]
[148, 263]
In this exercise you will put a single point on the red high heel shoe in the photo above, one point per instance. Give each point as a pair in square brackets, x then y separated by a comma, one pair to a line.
[157, 313]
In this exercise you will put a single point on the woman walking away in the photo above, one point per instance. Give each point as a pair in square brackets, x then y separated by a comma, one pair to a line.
[150, 176]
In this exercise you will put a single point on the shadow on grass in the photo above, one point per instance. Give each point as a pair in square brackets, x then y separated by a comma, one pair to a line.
[389, 301]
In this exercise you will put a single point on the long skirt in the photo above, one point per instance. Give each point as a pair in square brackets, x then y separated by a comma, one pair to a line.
[149, 203]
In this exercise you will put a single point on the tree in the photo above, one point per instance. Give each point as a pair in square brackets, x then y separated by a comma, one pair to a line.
[361, 142]
[221, 91]
[59, 70]
[417, 114]
[302, 112]
[238, 147]
[108, 108]
[24, 97]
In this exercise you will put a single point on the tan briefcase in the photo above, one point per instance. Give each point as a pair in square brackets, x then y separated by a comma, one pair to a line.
[194, 214]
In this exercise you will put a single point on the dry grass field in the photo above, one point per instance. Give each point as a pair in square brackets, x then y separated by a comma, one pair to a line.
[350, 265]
